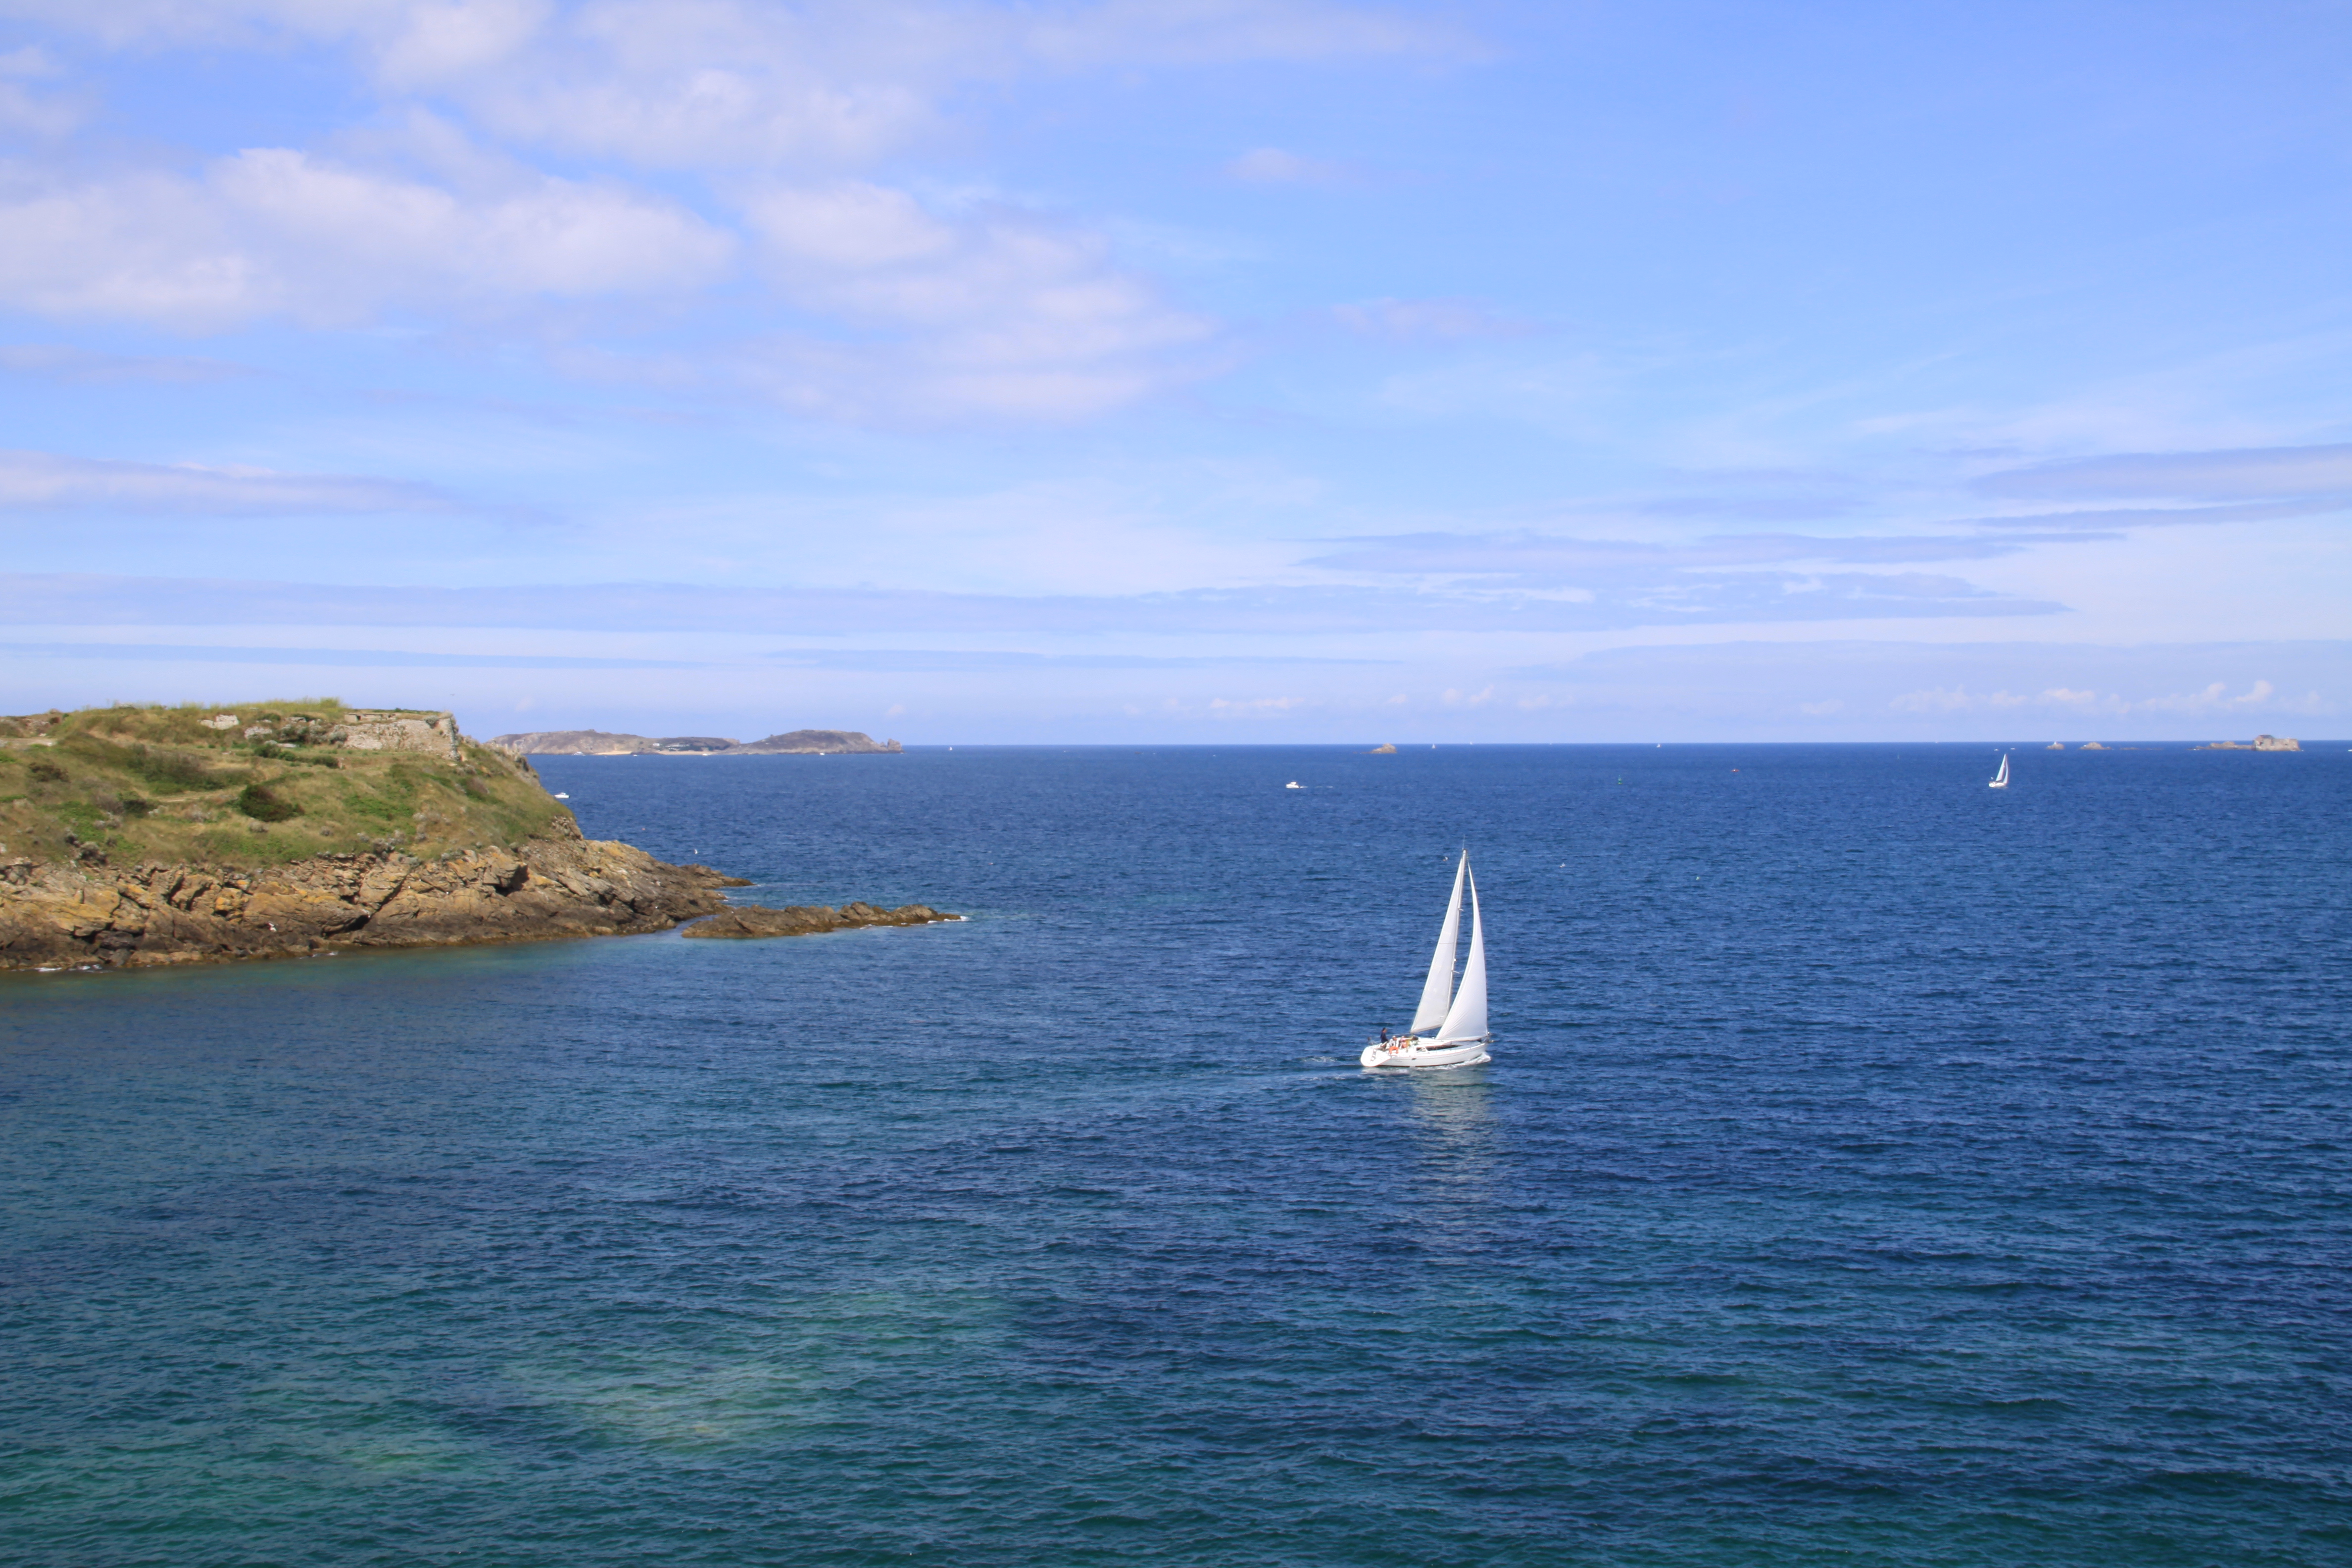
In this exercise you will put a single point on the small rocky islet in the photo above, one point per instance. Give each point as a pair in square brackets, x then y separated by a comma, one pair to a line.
[133, 836]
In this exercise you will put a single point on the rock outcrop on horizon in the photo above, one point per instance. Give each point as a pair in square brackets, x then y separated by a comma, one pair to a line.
[820, 743]
[602, 744]
[2262, 743]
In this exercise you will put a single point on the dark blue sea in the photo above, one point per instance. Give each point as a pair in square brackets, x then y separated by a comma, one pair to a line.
[1873, 1168]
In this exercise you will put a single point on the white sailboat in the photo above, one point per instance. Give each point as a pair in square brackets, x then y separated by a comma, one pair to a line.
[2000, 779]
[1449, 1027]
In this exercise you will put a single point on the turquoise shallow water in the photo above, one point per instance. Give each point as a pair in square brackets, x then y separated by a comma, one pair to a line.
[1873, 1168]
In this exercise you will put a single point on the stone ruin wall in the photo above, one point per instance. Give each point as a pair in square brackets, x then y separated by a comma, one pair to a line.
[434, 734]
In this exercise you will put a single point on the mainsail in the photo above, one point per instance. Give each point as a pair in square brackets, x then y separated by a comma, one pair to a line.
[1438, 992]
[1468, 1018]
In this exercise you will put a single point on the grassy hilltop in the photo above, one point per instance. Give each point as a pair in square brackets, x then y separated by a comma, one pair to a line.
[130, 784]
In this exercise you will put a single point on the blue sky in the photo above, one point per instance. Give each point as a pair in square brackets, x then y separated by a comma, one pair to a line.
[1184, 370]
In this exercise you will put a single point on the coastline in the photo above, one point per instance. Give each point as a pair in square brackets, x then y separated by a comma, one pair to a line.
[137, 836]
[73, 917]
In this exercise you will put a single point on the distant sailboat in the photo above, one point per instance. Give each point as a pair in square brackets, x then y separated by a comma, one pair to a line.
[2000, 779]
[1449, 1027]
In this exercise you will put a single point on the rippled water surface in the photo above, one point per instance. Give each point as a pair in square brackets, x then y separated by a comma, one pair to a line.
[1873, 1168]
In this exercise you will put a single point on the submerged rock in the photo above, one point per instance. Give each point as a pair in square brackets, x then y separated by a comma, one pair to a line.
[743, 920]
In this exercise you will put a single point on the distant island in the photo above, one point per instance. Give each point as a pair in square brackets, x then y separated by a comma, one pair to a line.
[600, 744]
[133, 836]
[2262, 743]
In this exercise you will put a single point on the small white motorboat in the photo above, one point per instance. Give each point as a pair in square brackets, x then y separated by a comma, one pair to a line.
[1449, 1027]
[2000, 779]
[1294, 785]
[561, 796]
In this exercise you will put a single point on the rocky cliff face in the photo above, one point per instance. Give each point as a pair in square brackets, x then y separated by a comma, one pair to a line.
[61, 916]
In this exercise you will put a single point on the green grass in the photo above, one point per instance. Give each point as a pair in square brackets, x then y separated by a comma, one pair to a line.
[154, 784]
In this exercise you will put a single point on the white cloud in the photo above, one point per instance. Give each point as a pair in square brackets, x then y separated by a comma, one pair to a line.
[22, 107]
[47, 481]
[907, 311]
[1253, 707]
[277, 232]
[997, 311]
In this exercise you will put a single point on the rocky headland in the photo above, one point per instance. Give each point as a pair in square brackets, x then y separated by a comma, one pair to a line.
[2262, 743]
[603, 743]
[138, 835]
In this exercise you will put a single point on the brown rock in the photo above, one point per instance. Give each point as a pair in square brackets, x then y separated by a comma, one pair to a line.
[74, 915]
[743, 920]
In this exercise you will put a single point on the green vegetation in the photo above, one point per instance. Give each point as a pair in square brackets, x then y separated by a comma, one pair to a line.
[157, 785]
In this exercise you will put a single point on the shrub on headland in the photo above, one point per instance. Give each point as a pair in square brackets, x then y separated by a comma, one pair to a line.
[256, 802]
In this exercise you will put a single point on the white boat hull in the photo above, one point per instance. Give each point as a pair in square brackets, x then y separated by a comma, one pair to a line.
[1410, 1052]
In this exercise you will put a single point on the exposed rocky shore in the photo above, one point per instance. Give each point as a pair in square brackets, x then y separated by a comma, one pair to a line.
[742, 921]
[62, 916]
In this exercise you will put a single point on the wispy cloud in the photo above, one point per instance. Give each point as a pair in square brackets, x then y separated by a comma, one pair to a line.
[329, 658]
[1427, 320]
[2213, 699]
[1558, 559]
[1274, 166]
[2108, 520]
[68, 363]
[988, 659]
[275, 232]
[2245, 475]
[34, 481]
[1288, 613]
